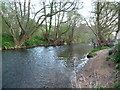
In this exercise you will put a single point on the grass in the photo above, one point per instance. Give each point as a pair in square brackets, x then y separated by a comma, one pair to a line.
[36, 40]
[93, 52]
[98, 49]
[99, 88]
[7, 40]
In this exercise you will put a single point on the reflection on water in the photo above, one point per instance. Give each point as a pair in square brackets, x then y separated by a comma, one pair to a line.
[42, 67]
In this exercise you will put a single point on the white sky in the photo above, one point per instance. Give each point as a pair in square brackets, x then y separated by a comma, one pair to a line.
[85, 11]
[87, 6]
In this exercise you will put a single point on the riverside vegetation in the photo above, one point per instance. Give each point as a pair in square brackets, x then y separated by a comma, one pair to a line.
[58, 23]
[114, 56]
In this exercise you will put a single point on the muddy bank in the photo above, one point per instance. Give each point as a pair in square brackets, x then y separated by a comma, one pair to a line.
[97, 72]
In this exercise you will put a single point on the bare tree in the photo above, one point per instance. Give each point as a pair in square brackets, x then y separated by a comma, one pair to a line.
[25, 23]
[104, 21]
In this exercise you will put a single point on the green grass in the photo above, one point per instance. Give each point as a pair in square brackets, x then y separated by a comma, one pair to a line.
[7, 40]
[95, 50]
[92, 54]
[98, 49]
[99, 88]
[36, 40]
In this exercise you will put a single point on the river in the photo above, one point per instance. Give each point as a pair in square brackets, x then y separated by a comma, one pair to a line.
[43, 67]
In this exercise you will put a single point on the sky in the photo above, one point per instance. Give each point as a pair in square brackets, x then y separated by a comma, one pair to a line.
[85, 11]
[87, 6]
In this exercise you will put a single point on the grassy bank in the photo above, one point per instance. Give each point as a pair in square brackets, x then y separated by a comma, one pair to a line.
[93, 52]
[114, 56]
[8, 41]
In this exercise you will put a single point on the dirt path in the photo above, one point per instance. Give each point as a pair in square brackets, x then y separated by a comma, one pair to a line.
[97, 72]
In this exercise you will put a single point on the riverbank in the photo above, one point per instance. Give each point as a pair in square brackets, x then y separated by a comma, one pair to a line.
[27, 47]
[97, 72]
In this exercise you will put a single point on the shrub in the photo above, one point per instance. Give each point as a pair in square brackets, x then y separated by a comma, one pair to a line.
[117, 47]
[36, 40]
[117, 66]
[7, 40]
[110, 52]
[116, 53]
[117, 84]
[116, 58]
[115, 72]
[107, 58]
[8, 44]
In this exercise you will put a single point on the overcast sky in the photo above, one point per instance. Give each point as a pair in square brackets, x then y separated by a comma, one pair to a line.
[85, 11]
[87, 5]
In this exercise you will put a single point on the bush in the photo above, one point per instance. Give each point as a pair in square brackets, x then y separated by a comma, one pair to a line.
[117, 47]
[8, 44]
[107, 58]
[117, 66]
[110, 52]
[36, 40]
[117, 85]
[7, 40]
[116, 58]
[116, 53]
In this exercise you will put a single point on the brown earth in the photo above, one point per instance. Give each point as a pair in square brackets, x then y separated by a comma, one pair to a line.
[97, 72]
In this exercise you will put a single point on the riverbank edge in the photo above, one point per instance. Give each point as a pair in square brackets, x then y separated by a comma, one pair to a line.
[88, 72]
[28, 47]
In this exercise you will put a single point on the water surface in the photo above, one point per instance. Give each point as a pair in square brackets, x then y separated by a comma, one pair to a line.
[43, 67]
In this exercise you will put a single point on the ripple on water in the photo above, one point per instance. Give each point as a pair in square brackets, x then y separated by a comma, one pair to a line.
[39, 67]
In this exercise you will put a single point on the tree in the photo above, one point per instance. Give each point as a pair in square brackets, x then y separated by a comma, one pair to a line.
[104, 21]
[118, 21]
[23, 23]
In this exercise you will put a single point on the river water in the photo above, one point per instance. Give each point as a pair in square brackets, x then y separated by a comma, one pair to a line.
[43, 67]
